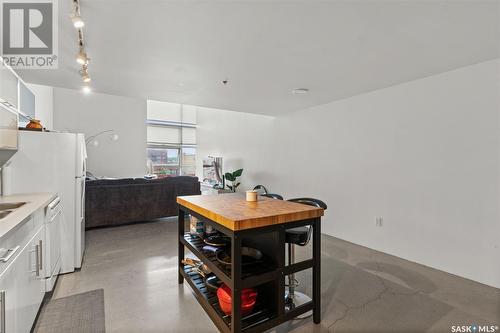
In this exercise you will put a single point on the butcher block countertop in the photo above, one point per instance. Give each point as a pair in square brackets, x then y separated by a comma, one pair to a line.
[235, 213]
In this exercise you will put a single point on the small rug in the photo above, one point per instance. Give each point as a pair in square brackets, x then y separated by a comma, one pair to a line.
[82, 313]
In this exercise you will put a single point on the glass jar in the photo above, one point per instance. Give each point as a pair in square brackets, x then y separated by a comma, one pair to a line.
[196, 227]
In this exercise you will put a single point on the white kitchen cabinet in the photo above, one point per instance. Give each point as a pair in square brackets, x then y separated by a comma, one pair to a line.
[32, 289]
[8, 86]
[24, 264]
[8, 296]
[26, 100]
[8, 134]
[23, 287]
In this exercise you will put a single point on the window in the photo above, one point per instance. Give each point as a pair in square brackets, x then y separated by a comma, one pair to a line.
[188, 161]
[164, 161]
[171, 139]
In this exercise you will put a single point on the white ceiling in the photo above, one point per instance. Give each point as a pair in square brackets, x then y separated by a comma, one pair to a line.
[179, 51]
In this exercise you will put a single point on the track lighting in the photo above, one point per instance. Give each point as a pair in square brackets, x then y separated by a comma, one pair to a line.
[82, 58]
[84, 72]
[77, 21]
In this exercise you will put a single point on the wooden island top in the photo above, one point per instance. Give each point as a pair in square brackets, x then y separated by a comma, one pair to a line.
[235, 213]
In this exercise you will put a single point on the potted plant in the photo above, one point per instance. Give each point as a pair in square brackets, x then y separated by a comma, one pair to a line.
[232, 177]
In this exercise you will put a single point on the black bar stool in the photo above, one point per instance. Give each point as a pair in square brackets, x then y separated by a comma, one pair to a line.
[298, 236]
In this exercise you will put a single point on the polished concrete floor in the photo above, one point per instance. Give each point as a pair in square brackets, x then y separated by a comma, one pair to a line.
[362, 290]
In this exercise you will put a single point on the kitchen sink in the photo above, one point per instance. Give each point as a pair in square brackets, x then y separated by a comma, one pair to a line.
[4, 213]
[7, 208]
[10, 205]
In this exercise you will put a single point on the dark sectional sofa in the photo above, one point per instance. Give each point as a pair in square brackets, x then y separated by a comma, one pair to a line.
[111, 202]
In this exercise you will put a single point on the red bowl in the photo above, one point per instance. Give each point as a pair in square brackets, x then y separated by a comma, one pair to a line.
[248, 299]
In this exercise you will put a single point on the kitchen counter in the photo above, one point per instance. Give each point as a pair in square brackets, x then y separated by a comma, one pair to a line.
[260, 225]
[34, 201]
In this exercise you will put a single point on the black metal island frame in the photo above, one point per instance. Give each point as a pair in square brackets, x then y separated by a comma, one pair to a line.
[260, 225]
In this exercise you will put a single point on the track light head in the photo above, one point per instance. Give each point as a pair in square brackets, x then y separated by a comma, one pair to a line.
[82, 58]
[77, 21]
[84, 72]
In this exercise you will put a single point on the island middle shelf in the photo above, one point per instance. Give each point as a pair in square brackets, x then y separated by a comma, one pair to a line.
[252, 275]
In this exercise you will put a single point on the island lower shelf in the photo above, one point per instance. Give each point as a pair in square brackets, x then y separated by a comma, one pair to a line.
[261, 318]
[209, 301]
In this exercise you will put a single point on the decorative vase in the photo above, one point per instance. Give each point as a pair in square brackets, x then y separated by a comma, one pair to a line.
[34, 124]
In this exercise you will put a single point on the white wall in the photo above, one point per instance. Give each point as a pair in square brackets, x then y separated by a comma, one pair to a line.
[424, 155]
[92, 113]
[44, 104]
[241, 138]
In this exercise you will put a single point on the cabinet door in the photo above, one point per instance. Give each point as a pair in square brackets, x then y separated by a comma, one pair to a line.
[30, 285]
[26, 100]
[8, 129]
[9, 298]
[41, 240]
[52, 244]
[8, 86]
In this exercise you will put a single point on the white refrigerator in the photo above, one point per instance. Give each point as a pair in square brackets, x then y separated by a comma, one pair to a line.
[54, 162]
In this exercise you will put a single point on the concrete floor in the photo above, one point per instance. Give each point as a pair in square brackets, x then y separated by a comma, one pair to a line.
[362, 290]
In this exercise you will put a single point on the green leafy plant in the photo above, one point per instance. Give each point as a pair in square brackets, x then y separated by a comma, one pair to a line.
[232, 177]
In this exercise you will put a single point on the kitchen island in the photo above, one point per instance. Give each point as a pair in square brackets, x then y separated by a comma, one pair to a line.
[260, 225]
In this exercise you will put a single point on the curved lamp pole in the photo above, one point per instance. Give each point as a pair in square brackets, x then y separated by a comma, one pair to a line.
[92, 138]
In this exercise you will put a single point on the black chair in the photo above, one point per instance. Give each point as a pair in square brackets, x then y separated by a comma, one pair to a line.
[298, 236]
[259, 188]
[272, 196]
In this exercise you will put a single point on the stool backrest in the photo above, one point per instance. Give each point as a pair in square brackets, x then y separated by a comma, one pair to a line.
[310, 201]
[261, 188]
[272, 196]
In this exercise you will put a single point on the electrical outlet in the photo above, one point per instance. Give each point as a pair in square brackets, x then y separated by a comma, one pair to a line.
[379, 221]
